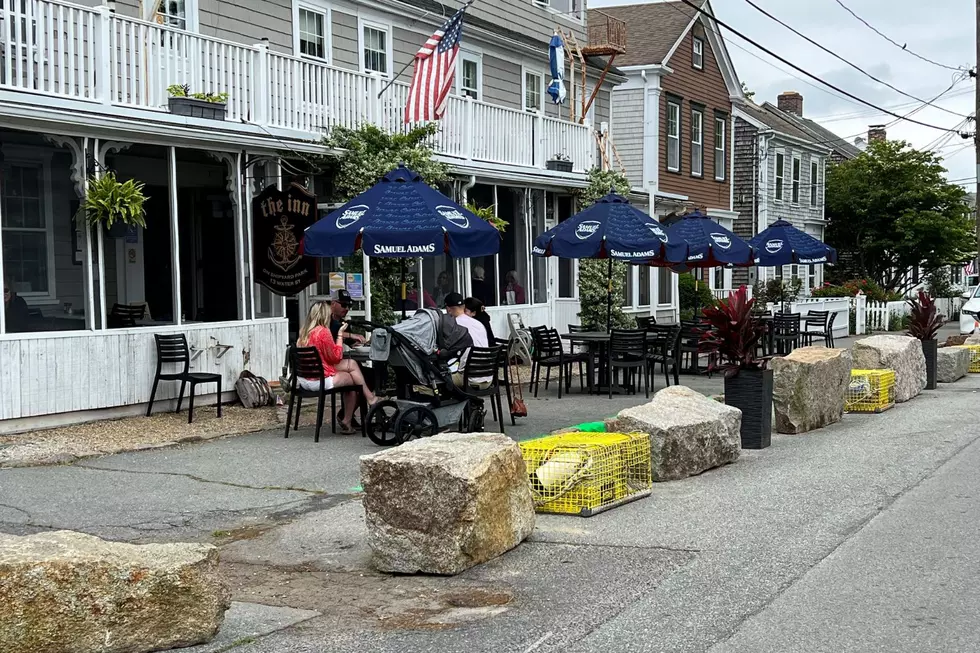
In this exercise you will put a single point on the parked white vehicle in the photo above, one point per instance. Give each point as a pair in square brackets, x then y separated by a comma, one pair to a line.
[970, 313]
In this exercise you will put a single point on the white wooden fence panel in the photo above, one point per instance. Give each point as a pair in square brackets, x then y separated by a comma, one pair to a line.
[72, 371]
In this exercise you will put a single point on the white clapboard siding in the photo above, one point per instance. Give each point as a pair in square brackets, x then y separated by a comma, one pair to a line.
[73, 371]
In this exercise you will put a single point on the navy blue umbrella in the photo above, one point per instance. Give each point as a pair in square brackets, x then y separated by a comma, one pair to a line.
[611, 228]
[708, 244]
[402, 217]
[783, 244]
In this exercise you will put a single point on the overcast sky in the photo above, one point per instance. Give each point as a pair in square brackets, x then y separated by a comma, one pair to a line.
[942, 30]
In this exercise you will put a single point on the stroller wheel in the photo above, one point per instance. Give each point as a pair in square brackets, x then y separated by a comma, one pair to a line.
[416, 422]
[380, 423]
[475, 423]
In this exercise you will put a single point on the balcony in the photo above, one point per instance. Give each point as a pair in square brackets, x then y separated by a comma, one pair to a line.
[82, 58]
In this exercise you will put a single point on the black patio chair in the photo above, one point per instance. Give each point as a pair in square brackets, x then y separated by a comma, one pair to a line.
[173, 350]
[484, 362]
[305, 362]
[627, 352]
[503, 379]
[549, 353]
[644, 321]
[691, 343]
[786, 332]
[123, 316]
[819, 324]
[664, 348]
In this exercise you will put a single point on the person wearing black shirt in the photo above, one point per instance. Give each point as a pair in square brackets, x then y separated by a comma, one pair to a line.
[15, 311]
[340, 303]
[475, 309]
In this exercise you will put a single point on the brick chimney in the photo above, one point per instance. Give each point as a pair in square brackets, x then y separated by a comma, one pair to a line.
[876, 133]
[791, 102]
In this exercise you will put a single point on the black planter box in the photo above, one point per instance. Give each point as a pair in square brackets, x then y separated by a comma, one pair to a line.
[119, 229]
[751, 392]
[929, 351]
[194, 108]
[560, 166]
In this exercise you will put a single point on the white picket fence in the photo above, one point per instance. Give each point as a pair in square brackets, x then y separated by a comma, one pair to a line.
[880, 315]
[839, 306]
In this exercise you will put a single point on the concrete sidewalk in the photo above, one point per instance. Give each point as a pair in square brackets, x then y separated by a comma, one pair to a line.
[865, 522]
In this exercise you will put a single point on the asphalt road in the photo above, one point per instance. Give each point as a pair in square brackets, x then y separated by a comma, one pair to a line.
[859, 537]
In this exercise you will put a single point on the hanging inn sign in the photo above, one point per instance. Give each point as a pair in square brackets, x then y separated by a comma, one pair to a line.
[279, 218]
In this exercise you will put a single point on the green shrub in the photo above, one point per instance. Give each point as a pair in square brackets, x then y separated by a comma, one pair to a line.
[872, 290]
[688, 296]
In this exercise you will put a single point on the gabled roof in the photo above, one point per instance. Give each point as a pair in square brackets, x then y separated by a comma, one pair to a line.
[774, 120]
[827, 137]
[652, 29]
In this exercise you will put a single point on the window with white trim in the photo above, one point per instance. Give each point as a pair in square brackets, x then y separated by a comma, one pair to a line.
[173, 13]
[697, 55]
[720, 125]
[796, 179]
[665, 286]
[780, 175]
[533, 91]
[27, 233]
[673, 136]
[814, 173]
[697, 142]
[470, 76]
[376, 48]
[811, 278]
[312, 33]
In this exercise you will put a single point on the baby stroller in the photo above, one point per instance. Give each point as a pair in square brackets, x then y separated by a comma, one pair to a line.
[419, 351]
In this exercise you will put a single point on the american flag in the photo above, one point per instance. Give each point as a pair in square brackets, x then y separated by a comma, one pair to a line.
[435, 71]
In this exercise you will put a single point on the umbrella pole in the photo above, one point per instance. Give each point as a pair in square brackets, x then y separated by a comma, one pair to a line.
[697, 299]
[404, 297]
[609, 299]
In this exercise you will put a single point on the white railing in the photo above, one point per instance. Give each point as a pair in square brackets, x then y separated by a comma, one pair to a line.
[56, 48]
[49, 47]
[880, 315]
[838, 306]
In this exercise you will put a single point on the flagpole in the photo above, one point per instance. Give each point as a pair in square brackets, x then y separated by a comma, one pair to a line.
[466, 5]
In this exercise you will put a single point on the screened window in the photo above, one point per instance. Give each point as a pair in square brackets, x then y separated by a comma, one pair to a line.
[533, 92]
[375, 49]
[697, 143]
[698, 54]
[173, 13]
[664, 286]
[312, 38]
[814, 173]
[720, 149]
[673, 136]
[25, 230]
[469, 79]
[796, 180]
[780, 173]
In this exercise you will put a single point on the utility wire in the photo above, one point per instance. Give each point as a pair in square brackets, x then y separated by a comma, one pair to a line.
[895, 43]
[849, 63]
[866, 113]
[807, 73]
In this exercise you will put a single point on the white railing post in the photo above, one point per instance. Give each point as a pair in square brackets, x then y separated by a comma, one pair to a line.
[468, 132]
[376, 114]
[103, 55]
[260, 112]
[539, 142]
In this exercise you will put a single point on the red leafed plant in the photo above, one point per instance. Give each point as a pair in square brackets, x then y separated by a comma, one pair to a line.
[925, 320]
[732, 334]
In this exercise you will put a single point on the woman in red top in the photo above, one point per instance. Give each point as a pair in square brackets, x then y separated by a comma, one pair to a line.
[337, 370]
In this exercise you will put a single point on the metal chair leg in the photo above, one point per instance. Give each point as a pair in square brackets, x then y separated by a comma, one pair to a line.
[180, 397]
[190, 412]
[289, 413]
[319, 417]
[153, 393]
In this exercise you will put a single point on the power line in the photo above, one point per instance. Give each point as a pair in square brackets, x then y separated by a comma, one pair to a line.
[849, 63]
[866, 113]
[807, 73]
[902, 47]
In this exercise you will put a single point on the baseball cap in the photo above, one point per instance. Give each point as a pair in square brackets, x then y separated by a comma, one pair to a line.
[341, 296]
[454, 299]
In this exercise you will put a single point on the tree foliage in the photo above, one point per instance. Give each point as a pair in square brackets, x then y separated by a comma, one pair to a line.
[891, 210]
[593, 276]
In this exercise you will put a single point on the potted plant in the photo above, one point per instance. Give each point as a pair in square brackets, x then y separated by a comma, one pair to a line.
[196, 105]
[732, 336]
[114, 204]
[560, 163]
[924, 324]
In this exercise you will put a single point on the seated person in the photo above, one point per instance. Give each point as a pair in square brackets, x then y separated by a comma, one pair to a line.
[340, 302]
[455, 307]
[16, 312]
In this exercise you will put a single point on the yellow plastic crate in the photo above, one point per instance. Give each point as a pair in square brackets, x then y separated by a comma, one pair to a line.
[870, 391]
[586, 473]
[974, 356]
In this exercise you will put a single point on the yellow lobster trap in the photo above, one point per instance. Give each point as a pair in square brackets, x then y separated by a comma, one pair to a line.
[587, 473]
[974, 357]
[870, 391]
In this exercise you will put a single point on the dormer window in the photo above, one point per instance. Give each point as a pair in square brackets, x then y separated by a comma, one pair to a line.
[697, 56]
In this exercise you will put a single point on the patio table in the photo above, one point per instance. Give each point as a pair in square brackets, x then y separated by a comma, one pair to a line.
[598, 340]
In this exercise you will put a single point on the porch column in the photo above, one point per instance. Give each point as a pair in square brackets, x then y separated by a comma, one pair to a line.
[247, 177]
[100, 244]
[366, 285]
[87, 243]
[174, 235]
[242, 257]
[279, 185]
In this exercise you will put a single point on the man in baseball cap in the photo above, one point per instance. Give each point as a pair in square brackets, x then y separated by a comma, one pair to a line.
[340, 303]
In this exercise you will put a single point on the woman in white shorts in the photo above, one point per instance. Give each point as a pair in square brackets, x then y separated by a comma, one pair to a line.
[337, 370]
